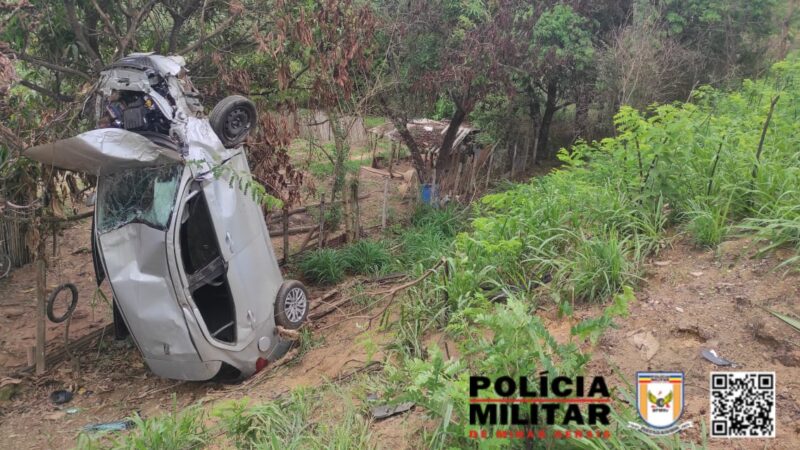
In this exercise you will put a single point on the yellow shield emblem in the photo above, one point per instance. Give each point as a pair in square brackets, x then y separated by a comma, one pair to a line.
[659, 397]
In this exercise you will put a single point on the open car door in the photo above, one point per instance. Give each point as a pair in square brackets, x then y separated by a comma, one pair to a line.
[103, 151]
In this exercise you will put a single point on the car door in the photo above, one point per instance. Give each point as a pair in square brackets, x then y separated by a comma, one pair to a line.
[103, 151]
[253, 274]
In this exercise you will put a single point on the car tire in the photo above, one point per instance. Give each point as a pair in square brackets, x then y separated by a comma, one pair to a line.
[232, 119]
[291, 305]
[51, 299]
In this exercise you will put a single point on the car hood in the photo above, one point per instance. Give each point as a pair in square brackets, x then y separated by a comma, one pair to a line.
[103, 151]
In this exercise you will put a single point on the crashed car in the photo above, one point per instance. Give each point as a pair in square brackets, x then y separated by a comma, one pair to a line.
[186, 251]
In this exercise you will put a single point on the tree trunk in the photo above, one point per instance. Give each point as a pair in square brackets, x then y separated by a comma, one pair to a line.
[582, 102]
[341, 154]
[547, 118]
[413, 148]
[402, 129]
[444, 160]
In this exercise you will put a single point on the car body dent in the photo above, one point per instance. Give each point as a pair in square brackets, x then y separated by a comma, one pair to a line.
[103, 151]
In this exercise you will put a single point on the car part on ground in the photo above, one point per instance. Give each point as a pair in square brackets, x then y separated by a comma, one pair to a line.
[71, 304]
[60, 397]
[232, 119]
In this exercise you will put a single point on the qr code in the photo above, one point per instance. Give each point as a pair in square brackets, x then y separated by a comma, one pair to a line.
[743, 404]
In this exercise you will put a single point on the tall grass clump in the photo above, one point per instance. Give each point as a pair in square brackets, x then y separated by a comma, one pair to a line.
[323, 266]
[429, 237]
[366, 257]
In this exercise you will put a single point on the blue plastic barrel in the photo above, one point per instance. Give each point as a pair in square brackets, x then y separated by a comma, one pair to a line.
[426, 193]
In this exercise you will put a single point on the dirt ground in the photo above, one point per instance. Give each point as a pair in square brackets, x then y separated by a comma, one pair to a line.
[693, 300]
[690, 299]
[72, 263]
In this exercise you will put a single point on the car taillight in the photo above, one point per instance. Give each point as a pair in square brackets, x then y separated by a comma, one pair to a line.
[261, 363]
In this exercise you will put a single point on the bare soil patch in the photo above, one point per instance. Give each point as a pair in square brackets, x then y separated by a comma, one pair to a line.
[694, 299]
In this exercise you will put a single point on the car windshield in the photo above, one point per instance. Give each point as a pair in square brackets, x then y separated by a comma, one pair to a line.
[144, 195]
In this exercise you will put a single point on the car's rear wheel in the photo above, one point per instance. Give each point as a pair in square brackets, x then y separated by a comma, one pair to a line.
[232, 119]
[291, 305]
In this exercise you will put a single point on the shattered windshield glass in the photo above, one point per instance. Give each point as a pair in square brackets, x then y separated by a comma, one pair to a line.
[144, 195]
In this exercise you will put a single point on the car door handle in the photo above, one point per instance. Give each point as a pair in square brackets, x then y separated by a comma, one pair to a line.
[229, 241]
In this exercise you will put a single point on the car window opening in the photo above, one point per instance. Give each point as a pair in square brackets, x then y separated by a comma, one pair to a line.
[138, 195]
[206, 269]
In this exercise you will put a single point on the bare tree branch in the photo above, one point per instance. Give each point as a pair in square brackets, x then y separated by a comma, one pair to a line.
[133, 26]
[40, 62]
[77, 29]
[178, 19]
[221, 28]
[42, 90]
[106, 20]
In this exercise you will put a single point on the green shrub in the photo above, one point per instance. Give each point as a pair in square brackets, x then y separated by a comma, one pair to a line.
[707, 223]
[178, 430]
[366, 257]
[324, 266]
[599, 267]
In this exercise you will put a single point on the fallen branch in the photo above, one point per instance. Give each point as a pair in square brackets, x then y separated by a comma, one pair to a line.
[380, 172]
[289, 335]
[332, 307]
[155, 391]
[292, 231]
[321, 301]
[390, 294]
[59, 355]
[393, 291]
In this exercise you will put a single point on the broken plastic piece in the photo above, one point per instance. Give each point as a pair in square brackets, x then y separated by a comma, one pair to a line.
[384, 411]
[712, 356]
[119, 425]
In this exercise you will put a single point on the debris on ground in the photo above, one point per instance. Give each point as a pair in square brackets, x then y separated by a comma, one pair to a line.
[385, 411]
[60, 397]
[9, 387]
[712, 356]
[119, 425]
[647, 343]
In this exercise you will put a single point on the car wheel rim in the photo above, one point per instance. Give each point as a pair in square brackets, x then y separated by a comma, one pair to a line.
[295, 305]
[238, 122]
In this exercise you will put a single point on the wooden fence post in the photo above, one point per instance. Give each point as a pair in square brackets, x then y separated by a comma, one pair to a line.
[514, 161]
[385, 204]
[285, 235]
[41, 286]
[321, 237]
[488, 172]
[356, 211]
[433, 188]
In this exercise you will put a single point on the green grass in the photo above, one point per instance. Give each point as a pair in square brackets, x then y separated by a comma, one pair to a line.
[366, 257]
[323, 266]
[177, 430]
[373, 121]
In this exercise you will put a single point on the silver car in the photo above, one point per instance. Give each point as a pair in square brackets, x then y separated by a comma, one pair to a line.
[186, 250]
